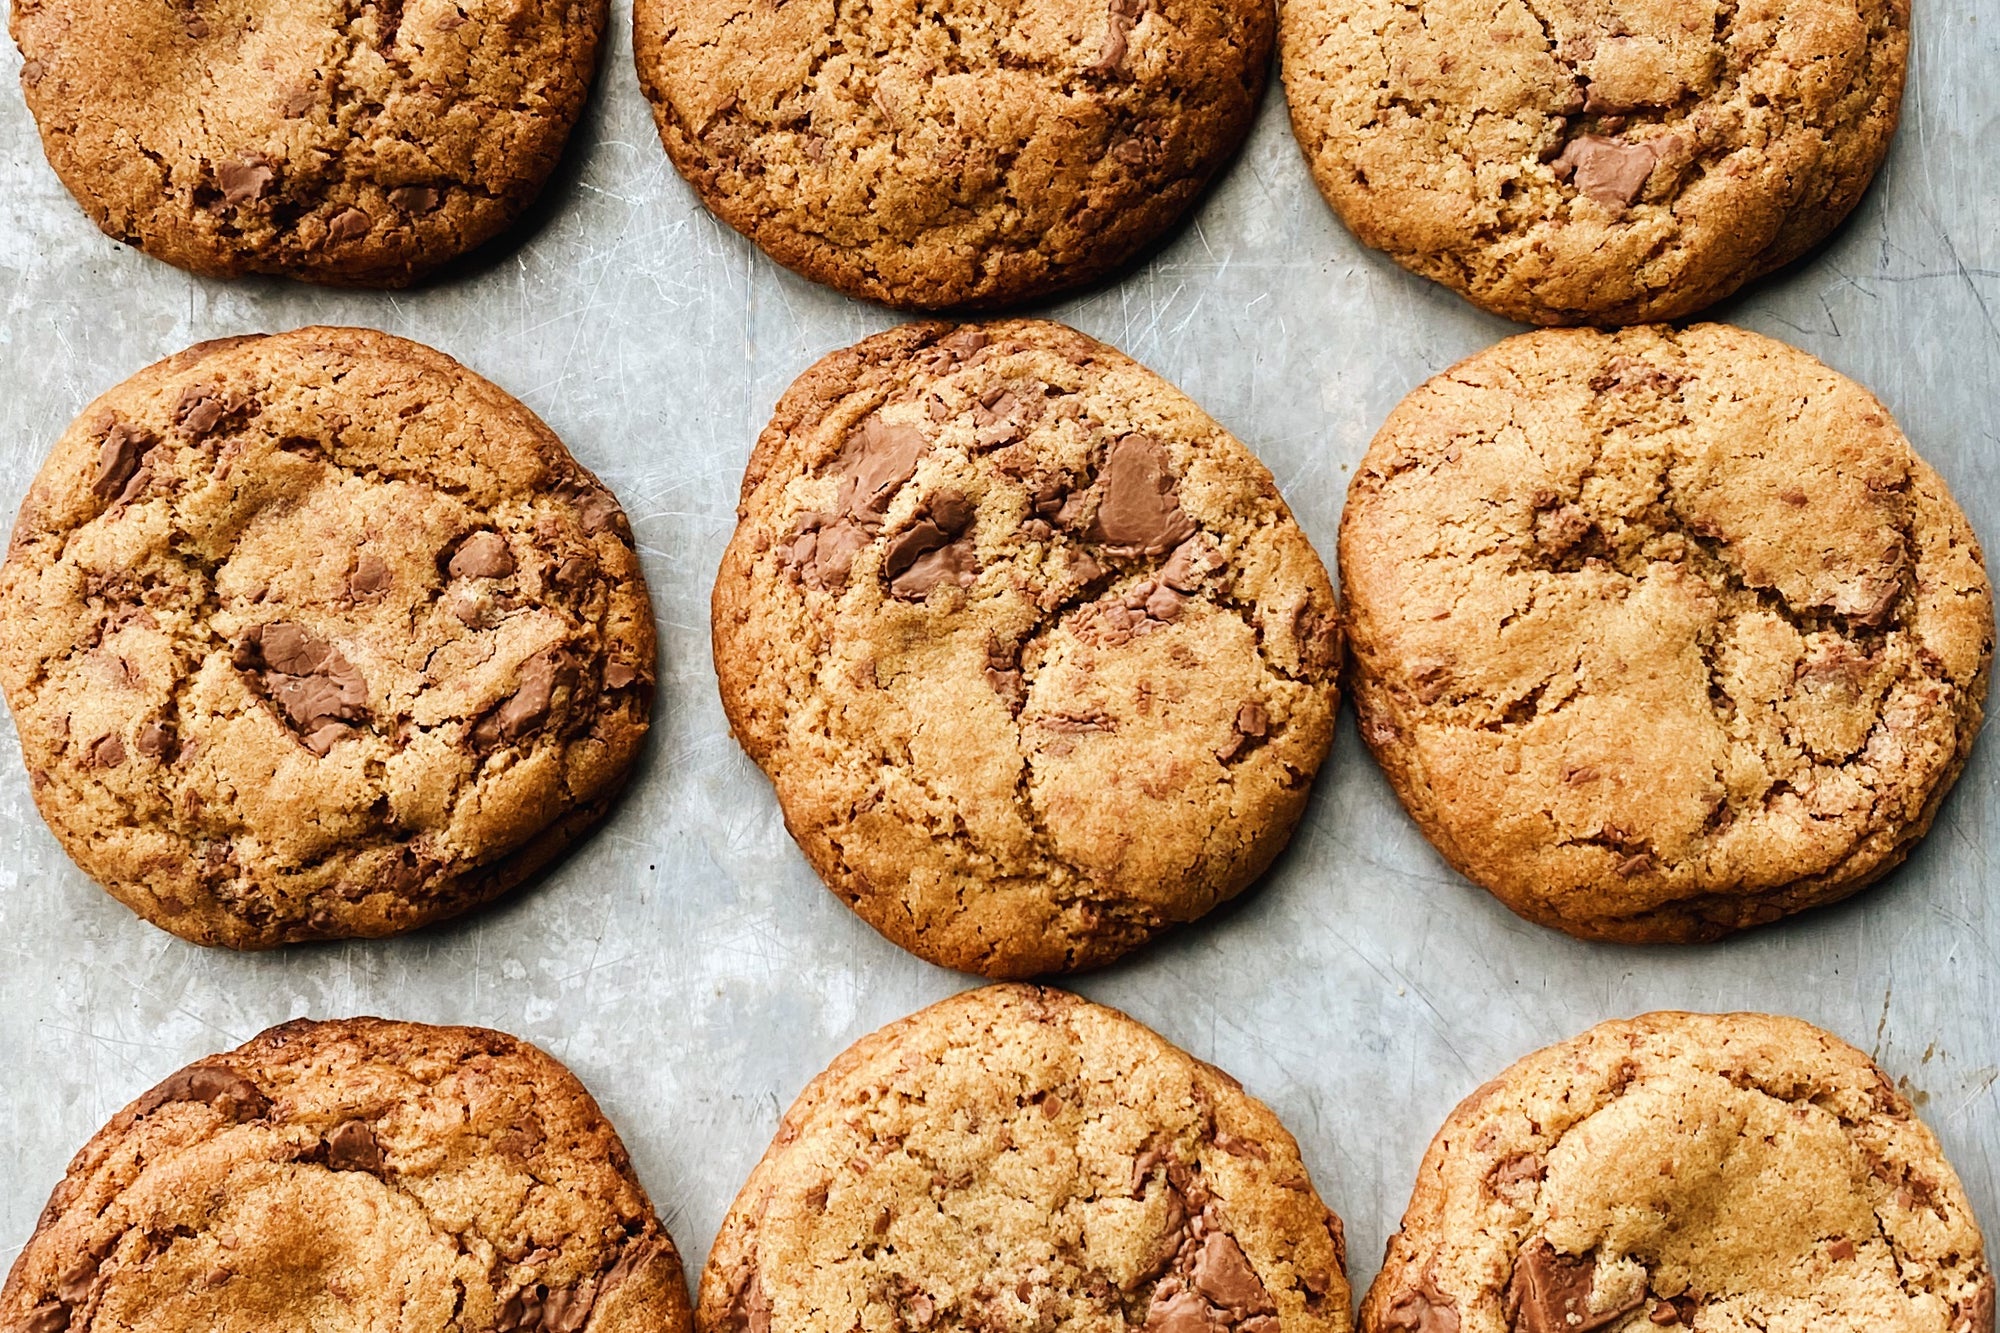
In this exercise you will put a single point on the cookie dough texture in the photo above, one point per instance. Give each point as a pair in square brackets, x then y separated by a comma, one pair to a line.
[319, 635]
[354, 1175]
[1035, 655]
[1705, 1172]
[1661, 634]
[1594, 161]
[359, 142]
[1020, 1158]
[964, 153]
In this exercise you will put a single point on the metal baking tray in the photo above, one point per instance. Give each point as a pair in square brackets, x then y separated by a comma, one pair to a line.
[685, 962]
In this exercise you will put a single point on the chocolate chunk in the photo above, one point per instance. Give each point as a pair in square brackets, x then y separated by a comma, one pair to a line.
[350, 225]
[156, 741]
[1178, 1312]
[1626, 373]
[414, 199]
[822, 552]
[1191, 562]
[118, 460]
[527, 708]
[749, 1308]
[1121, 16]
[1841, 1250]
[1423, 1309]
[963, 342]
[1074, 724]
[1520, 1169]
[483, 555]
[1140, 511]
[1224, 1275]
[233, 1096]
[371, 577]
[32, 72]
[315, 689]
[298, 101]
[633, 1255]
[596, 510]
[1551, 1293]
[1610, 171]
[48, 1317]
[617, 675]
[875, 465]
[936, 548]
[244, 182]
[108, 752]
[352, 1147]
[201, 409]
[1003, 672]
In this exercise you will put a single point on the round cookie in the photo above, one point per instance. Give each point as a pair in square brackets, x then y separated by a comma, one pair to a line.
[1594, 161]
[1033, 652]
[360, 142]
[319, 635]
[354, 1175]
[1661, 634]
[1020, 1158]
[1685, 1171]
[964, 153]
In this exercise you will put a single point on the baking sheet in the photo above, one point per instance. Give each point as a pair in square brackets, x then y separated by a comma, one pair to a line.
[686, 963]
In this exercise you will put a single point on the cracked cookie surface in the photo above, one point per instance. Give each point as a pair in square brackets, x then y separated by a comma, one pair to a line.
[1033, 652]
[1015, 1157]
[354, 1175]
[1594, 161]
[358, 142]
[319, 635]
[969, 153]
[1661, 634]
[1716, 1173]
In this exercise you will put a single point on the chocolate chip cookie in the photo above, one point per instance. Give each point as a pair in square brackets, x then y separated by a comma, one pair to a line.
[1020, 1158]
[354, 1175]
[361, 142]
[1661, 634]
[1594, 161]
[1685, 1171]
[962, 153]
[1035, 655]
[319, 635]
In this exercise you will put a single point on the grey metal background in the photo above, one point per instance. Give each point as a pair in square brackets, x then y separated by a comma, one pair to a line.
[685, 962]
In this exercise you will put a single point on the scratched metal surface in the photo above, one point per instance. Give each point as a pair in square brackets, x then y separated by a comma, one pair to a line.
[685, 962]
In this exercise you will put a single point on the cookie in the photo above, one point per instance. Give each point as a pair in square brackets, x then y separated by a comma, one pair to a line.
[1033, 652]
[963, 153]
[1685, 1171]
[1594, 161]
[1661, 634]
[319, 635]
[1020, 1158]
[354, 1175]
[360, 142]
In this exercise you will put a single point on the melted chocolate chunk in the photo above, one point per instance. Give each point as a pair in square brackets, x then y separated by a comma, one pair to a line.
[527, 709]
[352, 1147]
[1140, 510]
[483, 555]
[1423, 1309]
[1610, 171]
[234, 1097]
[118, 462]
[314, 689]
[244, 182]
[1551, 1293]
[935, 549]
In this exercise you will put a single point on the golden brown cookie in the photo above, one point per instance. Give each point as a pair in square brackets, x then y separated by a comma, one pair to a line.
[1594, 161]
[1701, 1172]
[1020, 1158]
[1661, 634]
[965, 153]
[355, 1175]
[319, 635]
[1033, 652]
[360, 142]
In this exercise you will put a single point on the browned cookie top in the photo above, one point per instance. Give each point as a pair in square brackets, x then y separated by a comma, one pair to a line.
[1037, 658]
[1660, 634]
[343, 141]
[316, 635]
[971, 152]
[1714, 1173]
[1594, 161]
[357, 1175]
[1018, 1158]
